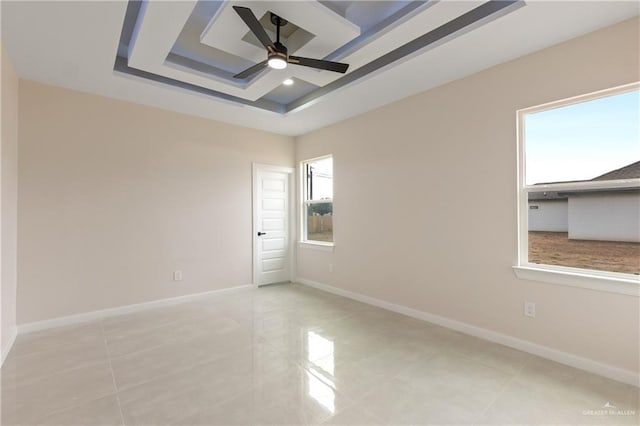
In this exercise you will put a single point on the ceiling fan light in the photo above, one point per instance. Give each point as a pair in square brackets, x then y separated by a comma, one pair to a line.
[277, 63]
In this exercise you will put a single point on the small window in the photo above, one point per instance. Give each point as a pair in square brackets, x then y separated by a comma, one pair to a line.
[580, 184]
[317, 206]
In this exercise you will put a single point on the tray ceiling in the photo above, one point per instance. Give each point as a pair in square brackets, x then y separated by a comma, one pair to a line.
[200, 45]
[182, 55]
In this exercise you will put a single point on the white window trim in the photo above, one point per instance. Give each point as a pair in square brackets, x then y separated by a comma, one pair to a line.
[612, 282]
[316, 245]
[311, 244]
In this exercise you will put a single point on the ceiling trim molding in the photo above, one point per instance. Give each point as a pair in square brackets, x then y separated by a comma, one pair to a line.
[481, 15]
[122, 67]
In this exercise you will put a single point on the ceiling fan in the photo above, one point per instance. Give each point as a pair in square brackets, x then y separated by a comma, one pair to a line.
[277, 56]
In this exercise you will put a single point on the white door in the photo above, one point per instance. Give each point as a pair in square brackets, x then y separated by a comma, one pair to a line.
[271, 237]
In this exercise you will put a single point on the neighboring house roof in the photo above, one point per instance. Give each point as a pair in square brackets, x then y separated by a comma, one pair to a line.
[631, 171]
[547, 195]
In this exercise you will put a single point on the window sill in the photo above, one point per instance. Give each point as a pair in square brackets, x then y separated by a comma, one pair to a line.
[316, 245]
[612, 283]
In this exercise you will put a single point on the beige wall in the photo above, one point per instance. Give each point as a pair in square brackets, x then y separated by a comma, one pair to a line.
[9, 194]
[440, 169]
[114, 197]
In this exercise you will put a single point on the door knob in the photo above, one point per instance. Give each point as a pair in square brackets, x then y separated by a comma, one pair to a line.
[261, 233]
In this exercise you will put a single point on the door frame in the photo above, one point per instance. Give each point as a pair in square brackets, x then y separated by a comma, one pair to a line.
[255, 168]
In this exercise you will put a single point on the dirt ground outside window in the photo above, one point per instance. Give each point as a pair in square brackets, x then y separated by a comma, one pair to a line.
[555, 248]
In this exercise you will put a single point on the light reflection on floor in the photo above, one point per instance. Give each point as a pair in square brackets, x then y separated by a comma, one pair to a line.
[320, 375]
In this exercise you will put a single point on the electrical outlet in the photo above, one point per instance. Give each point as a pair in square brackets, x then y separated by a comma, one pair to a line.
[331, 267]
[177, 276]
[529, 309]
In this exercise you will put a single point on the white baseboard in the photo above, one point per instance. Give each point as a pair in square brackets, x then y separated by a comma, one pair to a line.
[121, 310]
[12, 339]
[566, 358]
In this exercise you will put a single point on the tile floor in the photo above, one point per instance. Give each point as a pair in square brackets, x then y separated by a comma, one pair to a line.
[291, 355]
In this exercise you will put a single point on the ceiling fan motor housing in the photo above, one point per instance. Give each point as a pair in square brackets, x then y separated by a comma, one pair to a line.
[279, 52]
[277, 56]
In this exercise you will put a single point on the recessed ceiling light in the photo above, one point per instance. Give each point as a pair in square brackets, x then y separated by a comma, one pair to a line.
[288, 82]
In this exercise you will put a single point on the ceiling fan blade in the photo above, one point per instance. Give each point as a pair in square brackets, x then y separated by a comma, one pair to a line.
[319, 64]
[251, 70]
[252, 22]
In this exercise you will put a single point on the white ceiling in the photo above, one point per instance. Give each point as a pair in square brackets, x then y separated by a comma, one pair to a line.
[74, 45]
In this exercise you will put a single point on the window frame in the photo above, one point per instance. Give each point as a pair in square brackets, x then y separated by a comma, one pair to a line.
[305, 203]
[614, 282]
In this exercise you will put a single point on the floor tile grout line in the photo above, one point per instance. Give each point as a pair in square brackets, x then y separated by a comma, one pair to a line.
[440, 350]
[113, 376]
[503, 390]
[182, 370]
[155, 327]
[108, 360]
[485, 364]
[30, 382]
[163, 376]
[64, 371]
[99, 321]
[451, 342]
[382, 381]
[13, 355]
[253, 386]
[153, 347]
[71, 407]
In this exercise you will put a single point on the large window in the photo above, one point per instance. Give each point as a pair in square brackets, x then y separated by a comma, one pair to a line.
[579, 199]
[317, 208]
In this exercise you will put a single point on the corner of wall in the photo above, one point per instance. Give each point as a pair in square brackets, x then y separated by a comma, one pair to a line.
[6, 348]
[8, 202]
